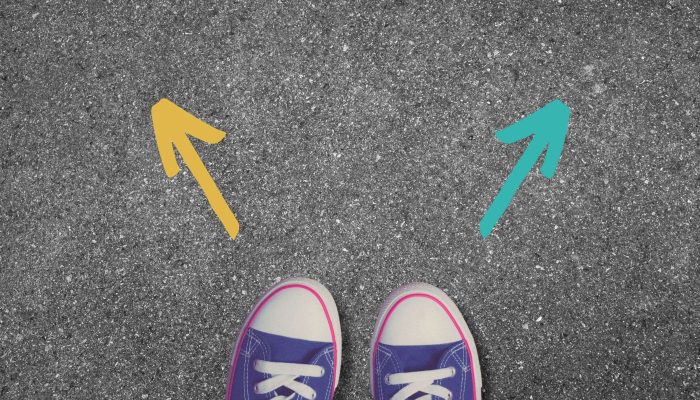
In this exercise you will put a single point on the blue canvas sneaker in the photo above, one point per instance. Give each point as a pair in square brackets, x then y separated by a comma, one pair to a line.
[422, 348]
[289, 346]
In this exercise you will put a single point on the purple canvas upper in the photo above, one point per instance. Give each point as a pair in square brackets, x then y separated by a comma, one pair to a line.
[257, 345]
[395, 359]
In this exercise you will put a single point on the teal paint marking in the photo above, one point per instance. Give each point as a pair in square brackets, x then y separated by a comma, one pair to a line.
[548, 127]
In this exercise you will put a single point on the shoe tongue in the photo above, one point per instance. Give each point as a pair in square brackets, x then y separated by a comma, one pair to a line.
[422, 358]
[290, 350]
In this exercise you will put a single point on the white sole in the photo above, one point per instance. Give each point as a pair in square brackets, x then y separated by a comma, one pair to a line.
[417, 288]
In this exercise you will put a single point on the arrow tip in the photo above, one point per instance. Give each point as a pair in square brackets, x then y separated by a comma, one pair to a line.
[556, 125]
[548, 127]
[172, 125]
[161, 116]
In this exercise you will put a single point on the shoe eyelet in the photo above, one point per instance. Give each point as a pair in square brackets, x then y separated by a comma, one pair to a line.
[449, 396]
[313, 395]
[256, 389]
[323, 371]
[453, 371]
[386, 379]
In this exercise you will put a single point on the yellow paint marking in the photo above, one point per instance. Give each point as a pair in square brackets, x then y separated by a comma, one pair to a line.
[172, 125]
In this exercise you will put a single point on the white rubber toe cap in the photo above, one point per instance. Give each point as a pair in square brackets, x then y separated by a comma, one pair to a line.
[294, 312]
[418, 320]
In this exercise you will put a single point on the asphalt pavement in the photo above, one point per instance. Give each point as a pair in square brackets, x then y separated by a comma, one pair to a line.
[361, 152]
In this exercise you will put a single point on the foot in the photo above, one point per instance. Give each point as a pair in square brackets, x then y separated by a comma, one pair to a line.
[422, 347]
[289, 347]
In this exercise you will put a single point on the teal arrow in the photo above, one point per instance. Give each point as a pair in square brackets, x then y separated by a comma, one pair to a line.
[548, 127]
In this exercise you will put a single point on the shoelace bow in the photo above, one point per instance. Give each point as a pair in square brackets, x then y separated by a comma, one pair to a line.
[421, 382]
[285, 375]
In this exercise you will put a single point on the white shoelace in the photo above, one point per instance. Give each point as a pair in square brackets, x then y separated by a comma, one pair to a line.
[285, 374]
[421, 382]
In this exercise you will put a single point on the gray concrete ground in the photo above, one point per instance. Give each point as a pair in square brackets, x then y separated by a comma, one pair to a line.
[360, 152]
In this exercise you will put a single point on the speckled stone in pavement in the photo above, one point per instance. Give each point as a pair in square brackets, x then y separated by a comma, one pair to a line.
[360, 152]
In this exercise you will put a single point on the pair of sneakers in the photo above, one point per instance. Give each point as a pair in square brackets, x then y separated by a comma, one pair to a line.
[290, 347]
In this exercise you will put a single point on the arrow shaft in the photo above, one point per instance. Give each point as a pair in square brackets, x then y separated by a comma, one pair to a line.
[206, 182]
[510, 186]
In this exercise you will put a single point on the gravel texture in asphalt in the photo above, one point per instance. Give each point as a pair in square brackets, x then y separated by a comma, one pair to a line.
[360, 152]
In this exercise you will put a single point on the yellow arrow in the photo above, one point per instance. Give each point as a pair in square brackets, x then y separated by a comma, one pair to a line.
[171, 125]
